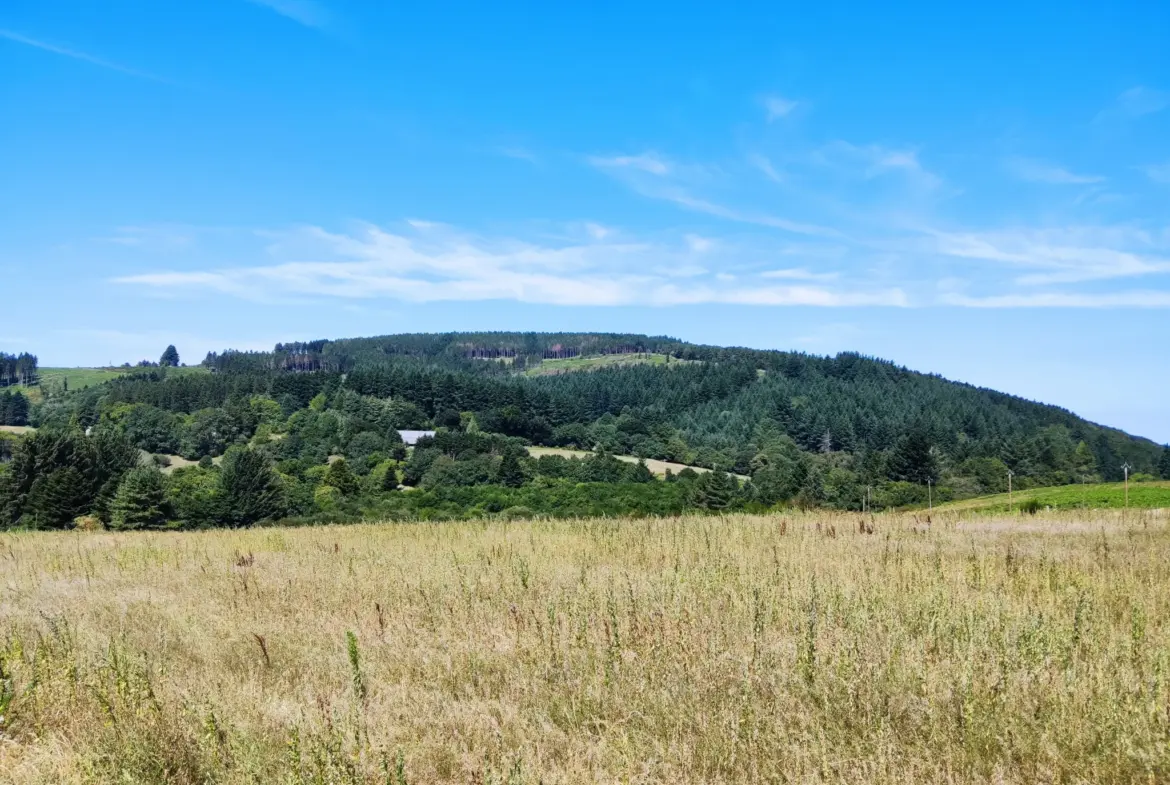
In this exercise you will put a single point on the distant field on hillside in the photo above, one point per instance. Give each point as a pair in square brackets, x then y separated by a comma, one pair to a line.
[80, 378]
[657, 467]
[1149, 495]
[592, 363]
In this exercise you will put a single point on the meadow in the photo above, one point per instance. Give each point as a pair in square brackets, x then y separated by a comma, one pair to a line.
[1109, 495]
[656, 467]
[57, 380]
[593, 362]
[784, 648]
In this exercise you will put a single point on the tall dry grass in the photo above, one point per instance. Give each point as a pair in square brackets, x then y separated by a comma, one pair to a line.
[742, 649]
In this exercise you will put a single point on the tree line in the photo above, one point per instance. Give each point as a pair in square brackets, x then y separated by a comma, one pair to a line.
[14, 408]
[17, 369]
[775, 430]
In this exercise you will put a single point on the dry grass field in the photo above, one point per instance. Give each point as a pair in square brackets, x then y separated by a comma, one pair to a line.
[656, 467]
[818, 648]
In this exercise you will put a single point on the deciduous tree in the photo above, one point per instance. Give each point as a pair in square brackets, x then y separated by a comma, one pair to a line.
[170, 358]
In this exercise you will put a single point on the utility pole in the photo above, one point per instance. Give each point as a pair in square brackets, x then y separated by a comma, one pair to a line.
[1010, 475]
[1125, 467]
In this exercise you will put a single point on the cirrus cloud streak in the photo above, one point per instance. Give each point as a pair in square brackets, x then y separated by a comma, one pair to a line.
[434, 263]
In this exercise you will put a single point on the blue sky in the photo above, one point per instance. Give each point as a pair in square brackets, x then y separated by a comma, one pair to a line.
[979, 191]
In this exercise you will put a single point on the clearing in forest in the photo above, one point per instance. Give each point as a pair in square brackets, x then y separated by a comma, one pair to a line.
[60, 379]
[593, 362]
[655, 466]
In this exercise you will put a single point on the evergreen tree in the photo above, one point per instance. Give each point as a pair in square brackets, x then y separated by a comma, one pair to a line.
[1164, 464]
[140, 501]
[13, 408]
[913, 459]
[390, 479]
[1084, 462]
[812, 488]
[55, 499]
[642, 473]
[340, 477]
[170, 358]
[717, 490]
[510, 473]
[249, 487]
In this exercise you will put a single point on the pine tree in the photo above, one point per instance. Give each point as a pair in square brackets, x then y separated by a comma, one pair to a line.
[1164, 464]
[340, 477]
[641, 473]
[914, 459]
[13, 408]
[1084, 462]
[510, 473]
[717, 490]
[250, 488]
[170, 358]
[55, 499]
[140, 500]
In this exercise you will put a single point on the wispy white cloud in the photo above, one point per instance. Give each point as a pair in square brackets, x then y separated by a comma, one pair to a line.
[305, 12]
[1034, 171]
[152, 237]
[762, 163]
[1133, 299]
[800, 274]
[1159, 173]
[443, 265]
[777, 107]
[519, 153]
[875, 218]
[874, 160]
[1134, 103]
[598, 231]
[1069, 255]
[698, 243]
[76, 55]
[759, 219]
[645, 162]
[657, 177]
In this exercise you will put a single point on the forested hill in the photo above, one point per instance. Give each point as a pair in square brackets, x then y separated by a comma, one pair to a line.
[859, 401]
[705, 405]
[322, 419]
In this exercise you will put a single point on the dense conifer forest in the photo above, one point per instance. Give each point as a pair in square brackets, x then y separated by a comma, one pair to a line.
[310, 433]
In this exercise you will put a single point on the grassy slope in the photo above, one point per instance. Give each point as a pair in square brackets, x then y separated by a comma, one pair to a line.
[80, 378]
[657, 467]
[592, 363]
[1146, 495]
[741, 649]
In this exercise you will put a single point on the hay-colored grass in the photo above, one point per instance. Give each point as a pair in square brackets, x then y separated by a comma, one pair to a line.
[19, 430]
[741, 649]
[655, 466]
